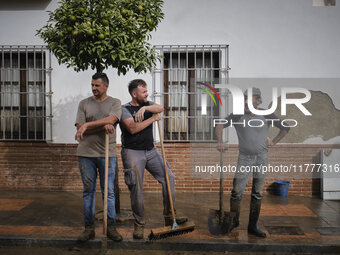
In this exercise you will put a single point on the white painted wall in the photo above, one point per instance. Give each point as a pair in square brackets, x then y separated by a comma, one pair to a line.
[267, 38]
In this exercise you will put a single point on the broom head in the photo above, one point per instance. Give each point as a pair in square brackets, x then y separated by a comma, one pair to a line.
[168, 231]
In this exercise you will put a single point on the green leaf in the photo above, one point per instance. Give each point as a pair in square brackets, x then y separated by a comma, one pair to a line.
[125, 44]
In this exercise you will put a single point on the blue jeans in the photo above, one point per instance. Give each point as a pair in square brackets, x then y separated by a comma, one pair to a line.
[88, 170]
[246, 165]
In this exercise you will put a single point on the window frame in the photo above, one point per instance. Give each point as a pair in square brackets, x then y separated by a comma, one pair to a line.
[161, 93]
[29, 68]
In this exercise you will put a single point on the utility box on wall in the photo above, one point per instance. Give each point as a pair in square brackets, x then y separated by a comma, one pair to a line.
[330, 174]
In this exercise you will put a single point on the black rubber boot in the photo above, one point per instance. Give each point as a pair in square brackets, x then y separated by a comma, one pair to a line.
[138, 232]
[254, 214]
[179, 219]
[88, 234]
[234, 222]
[113, 234]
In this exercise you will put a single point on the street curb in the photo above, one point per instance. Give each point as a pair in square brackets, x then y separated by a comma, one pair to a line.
[171, 245]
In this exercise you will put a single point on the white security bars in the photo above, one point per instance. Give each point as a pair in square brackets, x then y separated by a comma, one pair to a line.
[25, 88]
[181, 81]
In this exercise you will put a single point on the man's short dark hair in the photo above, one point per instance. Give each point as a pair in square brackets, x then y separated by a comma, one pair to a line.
[102, 76]
[135, 83]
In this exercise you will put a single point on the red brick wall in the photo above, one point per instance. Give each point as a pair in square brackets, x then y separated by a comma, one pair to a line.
[54, 167]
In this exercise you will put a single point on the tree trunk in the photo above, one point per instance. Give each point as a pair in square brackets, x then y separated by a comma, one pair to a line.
[99, 67]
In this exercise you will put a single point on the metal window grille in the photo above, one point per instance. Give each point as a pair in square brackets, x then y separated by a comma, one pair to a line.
[176, 85]
[25, 88]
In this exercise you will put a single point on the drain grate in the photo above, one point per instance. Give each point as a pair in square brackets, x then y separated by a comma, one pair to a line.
[284, 230]
[329, 231]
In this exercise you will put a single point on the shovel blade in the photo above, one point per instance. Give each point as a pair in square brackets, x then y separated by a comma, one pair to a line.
[218, 222]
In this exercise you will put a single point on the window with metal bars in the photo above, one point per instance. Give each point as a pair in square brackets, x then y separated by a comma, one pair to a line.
[179, 79]
[23, 92]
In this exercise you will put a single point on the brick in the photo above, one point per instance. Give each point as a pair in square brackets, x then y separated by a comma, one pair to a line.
[54, 167]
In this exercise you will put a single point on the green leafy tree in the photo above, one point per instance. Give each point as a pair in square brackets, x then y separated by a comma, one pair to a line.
[103, 33]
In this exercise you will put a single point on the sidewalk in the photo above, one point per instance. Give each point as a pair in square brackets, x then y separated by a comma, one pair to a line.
[293, 224]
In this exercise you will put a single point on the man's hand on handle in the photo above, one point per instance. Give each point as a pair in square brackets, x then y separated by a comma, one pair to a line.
[157, 116]
[82, 128]
[221, 146]
[270, 142]
[110, 129]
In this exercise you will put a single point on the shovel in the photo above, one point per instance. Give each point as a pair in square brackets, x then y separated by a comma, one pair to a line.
[218, 220]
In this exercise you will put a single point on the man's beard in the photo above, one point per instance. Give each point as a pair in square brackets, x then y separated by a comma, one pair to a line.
[96, 94]
[141, 102]
[246, 108]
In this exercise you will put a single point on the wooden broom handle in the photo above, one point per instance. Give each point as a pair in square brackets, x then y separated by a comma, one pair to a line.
[221, 182]
[106, 183]
[166, 170]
